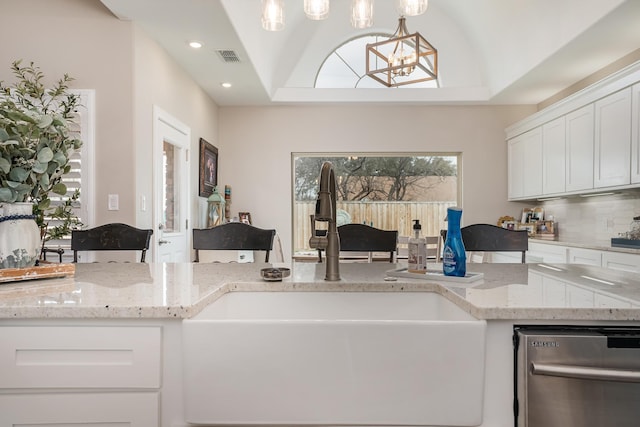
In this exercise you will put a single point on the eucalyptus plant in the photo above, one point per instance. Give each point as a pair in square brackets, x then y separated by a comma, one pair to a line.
[37, 138]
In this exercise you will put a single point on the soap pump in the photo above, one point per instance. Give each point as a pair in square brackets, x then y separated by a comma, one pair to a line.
[417, 261]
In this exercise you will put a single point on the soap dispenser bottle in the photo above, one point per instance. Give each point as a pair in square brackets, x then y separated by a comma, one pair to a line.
[454, 257]
[417, 250]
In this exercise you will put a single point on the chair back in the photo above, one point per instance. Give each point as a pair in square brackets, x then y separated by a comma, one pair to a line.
[491, 238]
[363, 238]
[233, 236]
[111, 237]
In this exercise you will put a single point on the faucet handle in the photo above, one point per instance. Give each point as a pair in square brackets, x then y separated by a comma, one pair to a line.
[316, 242]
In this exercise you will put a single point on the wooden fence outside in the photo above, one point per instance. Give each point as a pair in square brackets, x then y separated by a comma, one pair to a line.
[384, 215]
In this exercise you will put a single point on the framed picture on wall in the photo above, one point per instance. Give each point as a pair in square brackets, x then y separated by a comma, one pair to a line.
[208, 168]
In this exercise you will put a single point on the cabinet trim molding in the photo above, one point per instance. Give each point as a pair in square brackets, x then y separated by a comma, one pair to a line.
[619, 80]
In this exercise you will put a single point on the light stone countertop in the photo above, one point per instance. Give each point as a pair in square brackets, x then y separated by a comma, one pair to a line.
[586, 245]
[162, 291]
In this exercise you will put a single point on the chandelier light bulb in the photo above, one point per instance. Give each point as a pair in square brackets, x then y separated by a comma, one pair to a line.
[316, 9]
[411, 7]
[362, 13]
[273, 15]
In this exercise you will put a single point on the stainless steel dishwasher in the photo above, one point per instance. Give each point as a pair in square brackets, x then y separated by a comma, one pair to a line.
[568, 376]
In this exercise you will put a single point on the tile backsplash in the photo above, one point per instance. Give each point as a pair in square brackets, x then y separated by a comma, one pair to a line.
[593, 220]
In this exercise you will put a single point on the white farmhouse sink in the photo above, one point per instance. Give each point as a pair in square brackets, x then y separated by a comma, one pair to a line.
[338, 358]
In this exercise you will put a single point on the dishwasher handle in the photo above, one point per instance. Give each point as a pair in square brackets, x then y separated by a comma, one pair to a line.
[585, 372]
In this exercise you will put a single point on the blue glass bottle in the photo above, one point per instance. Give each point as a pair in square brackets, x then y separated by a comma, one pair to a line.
[454, 257]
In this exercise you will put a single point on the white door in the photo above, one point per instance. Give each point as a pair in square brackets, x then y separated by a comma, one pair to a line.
[613, 140]
[579, 148]
[171, 188]
[553, 156]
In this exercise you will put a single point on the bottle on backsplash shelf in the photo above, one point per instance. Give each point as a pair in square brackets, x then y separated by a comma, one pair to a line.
[417, 260]
[454, 258]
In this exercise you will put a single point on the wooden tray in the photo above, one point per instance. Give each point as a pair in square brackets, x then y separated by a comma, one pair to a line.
[435, 275]
[42, 271]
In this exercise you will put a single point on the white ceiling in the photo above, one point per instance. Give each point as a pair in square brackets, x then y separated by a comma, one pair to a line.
[490, 51]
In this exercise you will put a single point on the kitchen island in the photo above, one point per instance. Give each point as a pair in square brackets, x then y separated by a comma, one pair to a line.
[177, 291]
[108, 341]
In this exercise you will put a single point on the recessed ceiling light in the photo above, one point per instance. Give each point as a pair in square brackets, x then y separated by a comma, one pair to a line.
[225, 85]
[195, 44]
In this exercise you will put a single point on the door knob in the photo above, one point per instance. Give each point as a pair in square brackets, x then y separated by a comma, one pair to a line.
[163, 242]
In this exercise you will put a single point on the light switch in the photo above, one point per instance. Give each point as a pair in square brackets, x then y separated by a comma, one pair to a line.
[113, 203]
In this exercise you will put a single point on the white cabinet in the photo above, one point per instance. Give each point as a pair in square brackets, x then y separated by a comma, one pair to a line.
[547, 253]
[579, 149]
[635, 134]
[525, 164]
[553, 156]
[621, 261]
[80, 375]
[87, 409]
[584, 256]
[601, 145]
[613, 140]
[557, 254]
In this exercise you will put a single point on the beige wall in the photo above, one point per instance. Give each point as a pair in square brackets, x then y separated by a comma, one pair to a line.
[129, 73]
[83, 39]
[256, 145]
[158, 80]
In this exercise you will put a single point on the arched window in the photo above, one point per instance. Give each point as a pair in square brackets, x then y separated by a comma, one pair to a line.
[345, 67]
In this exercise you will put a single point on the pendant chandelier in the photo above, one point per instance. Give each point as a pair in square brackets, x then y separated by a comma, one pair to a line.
[361, 11]
[403, 59]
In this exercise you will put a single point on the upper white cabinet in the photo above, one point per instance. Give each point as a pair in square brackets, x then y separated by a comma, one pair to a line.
[525, 164]
[635, 134]
[613, 140]
[586, 143]
[579, 149]
[553, 156]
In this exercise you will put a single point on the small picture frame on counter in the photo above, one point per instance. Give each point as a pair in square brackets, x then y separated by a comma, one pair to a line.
[546, 227]
[547, 230]
[245, 217]
[537, 214]
[509, 225]
[530, 215]
[530, 227]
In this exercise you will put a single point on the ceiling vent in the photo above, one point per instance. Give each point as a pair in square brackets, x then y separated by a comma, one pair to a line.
[228, 56]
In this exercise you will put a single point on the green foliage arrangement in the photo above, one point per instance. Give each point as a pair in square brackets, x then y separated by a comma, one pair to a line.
[37, 138]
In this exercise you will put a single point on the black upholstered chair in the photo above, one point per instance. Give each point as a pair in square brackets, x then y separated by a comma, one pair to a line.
[111, 237]
[233, 236]
[491, 238]
[363, 238]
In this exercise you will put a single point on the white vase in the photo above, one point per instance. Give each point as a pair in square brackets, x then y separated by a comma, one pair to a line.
[19, 236]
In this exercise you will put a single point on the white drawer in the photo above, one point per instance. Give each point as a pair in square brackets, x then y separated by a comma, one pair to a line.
[80, 409]
[80, 357]
[585, 256]
[621, 261]
[541, 252]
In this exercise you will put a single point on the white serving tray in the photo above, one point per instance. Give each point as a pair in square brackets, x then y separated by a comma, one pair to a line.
[435, 275]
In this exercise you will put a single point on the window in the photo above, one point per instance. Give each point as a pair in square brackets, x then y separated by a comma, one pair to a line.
[346, 66]
[386, 191]
[81, 175]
